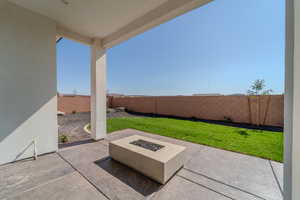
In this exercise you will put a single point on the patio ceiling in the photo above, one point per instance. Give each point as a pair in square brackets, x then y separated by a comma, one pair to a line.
[111, 20]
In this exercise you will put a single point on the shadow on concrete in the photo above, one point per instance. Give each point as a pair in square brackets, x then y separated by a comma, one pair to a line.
[137, 181]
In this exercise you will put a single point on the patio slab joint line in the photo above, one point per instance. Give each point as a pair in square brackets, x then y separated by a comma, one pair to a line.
[84, 177]
[206, 187]
[39, 186]
[224, 183]
[275, 176]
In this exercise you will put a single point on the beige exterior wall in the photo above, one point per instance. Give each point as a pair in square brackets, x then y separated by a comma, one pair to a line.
[28, 100]
[264, 110]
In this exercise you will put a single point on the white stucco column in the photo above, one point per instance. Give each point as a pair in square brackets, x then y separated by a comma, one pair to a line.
[98, 91]
[292, 102]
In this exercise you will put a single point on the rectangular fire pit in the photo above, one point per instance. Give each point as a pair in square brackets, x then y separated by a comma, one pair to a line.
[155, 159]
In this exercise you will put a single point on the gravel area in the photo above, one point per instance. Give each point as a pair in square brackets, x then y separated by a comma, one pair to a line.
[72, 125]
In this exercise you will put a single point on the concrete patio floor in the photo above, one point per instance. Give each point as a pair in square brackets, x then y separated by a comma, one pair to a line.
[85, 171]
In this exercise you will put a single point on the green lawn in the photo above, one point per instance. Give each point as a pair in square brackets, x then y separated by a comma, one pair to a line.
[265, 144]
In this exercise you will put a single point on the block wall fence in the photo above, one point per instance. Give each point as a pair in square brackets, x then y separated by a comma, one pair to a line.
[257, 110]
[76, 103]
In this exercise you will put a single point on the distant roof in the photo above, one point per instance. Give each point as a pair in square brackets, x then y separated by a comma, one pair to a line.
[115, 94]
[236, 94]
[71, 95]
[208, 94]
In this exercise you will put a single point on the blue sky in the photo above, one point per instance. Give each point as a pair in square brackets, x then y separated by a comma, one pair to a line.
[221, 47]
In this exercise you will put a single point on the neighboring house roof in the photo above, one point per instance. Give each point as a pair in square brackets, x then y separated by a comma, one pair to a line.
[208, 94]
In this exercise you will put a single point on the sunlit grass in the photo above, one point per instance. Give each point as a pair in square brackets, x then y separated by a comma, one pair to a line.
[265, 144]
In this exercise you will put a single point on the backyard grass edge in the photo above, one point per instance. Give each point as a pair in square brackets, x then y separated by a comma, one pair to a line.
[200, 143]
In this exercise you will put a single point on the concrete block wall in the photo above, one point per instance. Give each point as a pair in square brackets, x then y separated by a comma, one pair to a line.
[76, 103]
[258, 110]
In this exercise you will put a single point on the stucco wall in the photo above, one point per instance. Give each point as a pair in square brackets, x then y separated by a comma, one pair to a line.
[28, 100]
[263, 110]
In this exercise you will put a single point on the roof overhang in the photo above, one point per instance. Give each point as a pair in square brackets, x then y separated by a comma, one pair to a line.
[112, 21]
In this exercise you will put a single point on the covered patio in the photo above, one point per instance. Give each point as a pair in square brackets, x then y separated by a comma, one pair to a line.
[28, 110]
[86, 172]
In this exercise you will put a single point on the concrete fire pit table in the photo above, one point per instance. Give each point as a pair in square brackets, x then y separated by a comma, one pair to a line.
[153, 158]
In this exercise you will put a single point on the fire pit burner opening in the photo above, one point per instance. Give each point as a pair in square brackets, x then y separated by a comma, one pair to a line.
[147, 145]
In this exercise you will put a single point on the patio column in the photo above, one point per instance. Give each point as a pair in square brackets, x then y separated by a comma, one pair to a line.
[292, 102]
[98, 90]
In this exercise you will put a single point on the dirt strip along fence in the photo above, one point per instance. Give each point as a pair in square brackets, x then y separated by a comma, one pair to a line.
[257, 110]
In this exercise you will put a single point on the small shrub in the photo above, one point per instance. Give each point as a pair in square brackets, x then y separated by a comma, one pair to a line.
[227, 119]
[63, 139]
[243, 133]
[193, 118]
